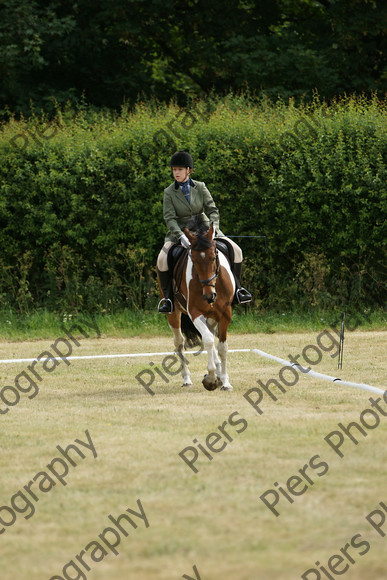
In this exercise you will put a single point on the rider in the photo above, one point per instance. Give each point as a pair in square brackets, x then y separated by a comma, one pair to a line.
[184, 199]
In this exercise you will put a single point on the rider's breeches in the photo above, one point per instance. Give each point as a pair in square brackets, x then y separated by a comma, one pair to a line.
[162, 263]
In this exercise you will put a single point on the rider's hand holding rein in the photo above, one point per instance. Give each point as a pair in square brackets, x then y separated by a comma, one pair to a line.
[184, 241]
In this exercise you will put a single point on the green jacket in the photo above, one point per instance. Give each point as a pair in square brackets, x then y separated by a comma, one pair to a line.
[178, 212]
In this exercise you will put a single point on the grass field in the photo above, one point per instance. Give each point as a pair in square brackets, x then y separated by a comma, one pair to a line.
[213, 519]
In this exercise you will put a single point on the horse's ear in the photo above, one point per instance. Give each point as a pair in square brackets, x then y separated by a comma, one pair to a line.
[211, 232]
[189, 235]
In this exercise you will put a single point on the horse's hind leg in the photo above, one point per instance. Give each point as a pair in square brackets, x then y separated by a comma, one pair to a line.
[178, 339]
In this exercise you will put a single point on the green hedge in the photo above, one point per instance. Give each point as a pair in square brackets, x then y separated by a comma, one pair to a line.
[81, 200]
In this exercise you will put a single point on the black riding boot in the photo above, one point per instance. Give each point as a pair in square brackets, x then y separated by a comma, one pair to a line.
[166, 304]
[241, 294]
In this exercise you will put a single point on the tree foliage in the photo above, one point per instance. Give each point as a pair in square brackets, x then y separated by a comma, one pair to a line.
[113, 50]
[81, 213]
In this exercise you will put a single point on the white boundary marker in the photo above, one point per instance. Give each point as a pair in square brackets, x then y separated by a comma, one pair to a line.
[318, 375]
[131, 355]
[303, 370]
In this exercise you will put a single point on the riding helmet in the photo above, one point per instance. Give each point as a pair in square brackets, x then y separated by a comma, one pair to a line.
[181, 159]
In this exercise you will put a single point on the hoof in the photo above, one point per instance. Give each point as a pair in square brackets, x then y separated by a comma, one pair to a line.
[211, 386]
[229, 388]
[186, 385]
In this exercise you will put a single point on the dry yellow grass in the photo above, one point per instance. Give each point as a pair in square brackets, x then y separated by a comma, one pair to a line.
[213, 519]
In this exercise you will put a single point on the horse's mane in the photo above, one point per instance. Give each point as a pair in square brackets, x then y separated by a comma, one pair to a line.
[198, 228]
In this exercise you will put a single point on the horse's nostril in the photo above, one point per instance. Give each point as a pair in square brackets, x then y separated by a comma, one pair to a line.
[211, 298]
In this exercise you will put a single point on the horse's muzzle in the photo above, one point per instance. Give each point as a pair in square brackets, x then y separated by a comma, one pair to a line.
[209, 298]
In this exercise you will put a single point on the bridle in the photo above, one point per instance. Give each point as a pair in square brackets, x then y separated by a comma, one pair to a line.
[214, 276]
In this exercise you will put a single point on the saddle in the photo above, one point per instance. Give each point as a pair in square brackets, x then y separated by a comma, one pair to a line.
[174, 253]
[226, 248]
[177, 251]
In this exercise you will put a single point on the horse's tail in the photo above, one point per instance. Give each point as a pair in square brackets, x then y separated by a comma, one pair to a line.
[191, 333]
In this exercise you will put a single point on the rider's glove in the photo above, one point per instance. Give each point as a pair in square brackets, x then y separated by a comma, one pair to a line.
[184, 241]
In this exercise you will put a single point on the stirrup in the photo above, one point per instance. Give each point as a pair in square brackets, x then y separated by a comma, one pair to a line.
[243, 296]
[165, 306]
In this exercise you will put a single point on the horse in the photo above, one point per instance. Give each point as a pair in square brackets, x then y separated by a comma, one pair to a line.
[204, 289]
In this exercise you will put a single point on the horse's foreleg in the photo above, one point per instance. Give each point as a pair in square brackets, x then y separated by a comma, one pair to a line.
[212, 324]
[210, 380]
[178, 340]
[222, 350]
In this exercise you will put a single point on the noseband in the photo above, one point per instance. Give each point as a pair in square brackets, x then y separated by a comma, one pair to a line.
[214, 276]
